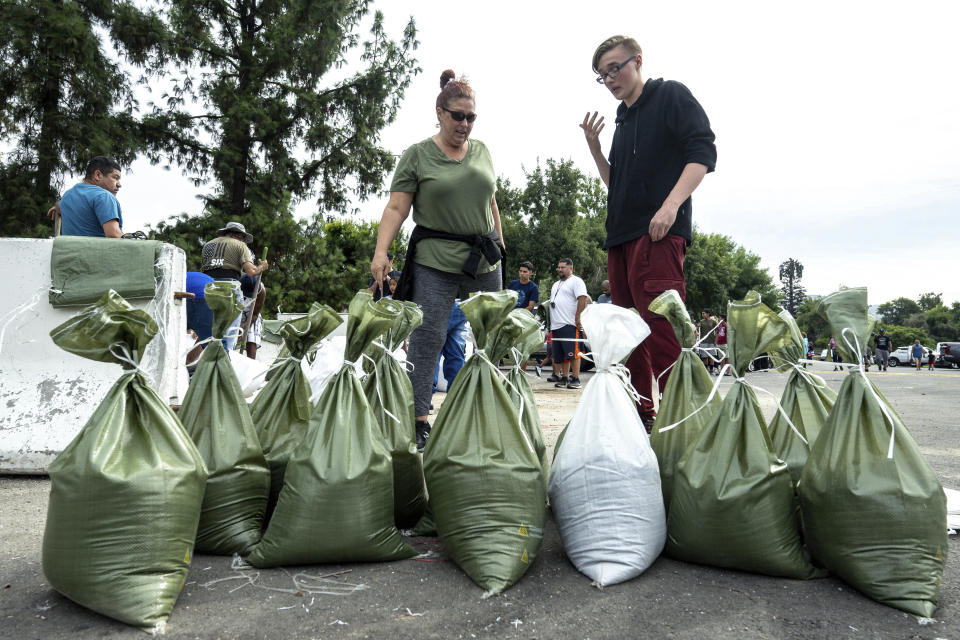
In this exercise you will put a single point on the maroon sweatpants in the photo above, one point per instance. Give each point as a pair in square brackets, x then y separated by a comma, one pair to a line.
[639, 271]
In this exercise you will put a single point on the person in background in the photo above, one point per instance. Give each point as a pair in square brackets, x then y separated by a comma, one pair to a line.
[931, 359]
[199, 314]
[835, 355]
[252, 305]
[662, 148]
[90, 208]
[456, 247]
[528, 293]
[882, 346]
[568, 299]
[706, 325]
[917, 353]
[604, 298]
[227, 258]
[454, 348]
[721, 334]
[372, 285]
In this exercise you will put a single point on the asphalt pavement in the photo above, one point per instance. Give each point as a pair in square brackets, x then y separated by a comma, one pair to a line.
[430, 597]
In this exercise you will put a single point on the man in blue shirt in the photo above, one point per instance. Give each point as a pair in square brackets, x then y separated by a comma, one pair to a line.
[90, 208]
[529, 292]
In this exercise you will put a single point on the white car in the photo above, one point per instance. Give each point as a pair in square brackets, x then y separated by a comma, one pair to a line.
[902, 356]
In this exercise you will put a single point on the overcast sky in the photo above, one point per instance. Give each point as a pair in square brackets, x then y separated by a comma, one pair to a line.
[836, 122]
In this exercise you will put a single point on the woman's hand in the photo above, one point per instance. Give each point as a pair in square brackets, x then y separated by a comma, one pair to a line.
[380, 269]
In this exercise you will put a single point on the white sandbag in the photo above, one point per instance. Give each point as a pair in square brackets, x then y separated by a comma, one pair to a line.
[953, 508]
[327, 360]
[605, 483]
[252, 374]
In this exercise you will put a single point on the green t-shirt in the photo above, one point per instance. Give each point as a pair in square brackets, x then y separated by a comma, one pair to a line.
[449, 195]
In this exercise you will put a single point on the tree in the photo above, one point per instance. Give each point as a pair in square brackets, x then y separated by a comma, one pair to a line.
[559, 213]
[64, 97]
[940, 325]
[718, 270]
[269, 128]
[791, 271]
[898, 311]
[812, 322]
[928, 301]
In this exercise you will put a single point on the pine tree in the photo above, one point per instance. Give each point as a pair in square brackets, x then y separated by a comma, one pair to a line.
[791, 271]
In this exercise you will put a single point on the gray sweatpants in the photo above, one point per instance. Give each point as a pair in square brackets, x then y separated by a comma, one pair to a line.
[435, 292]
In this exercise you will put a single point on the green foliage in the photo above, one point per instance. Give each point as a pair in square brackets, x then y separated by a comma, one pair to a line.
[791, 272]
[559, 213]
[929, 301]
[941, 324]
[905, 336]
[718, 270]
[64, 97]
[272, 124]
[324, 261]
[898, 311]
[813, 323]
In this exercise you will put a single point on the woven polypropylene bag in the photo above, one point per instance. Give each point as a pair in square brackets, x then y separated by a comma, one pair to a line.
[125, 494]
[485, 482]
[605, 484]
[215, 414]
[874, 512]
[336, 504]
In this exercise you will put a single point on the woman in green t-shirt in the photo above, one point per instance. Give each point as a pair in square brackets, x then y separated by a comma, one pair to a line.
[455, 250]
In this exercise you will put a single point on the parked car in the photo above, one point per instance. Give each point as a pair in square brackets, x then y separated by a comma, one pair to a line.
[948, 354]
[902, 356]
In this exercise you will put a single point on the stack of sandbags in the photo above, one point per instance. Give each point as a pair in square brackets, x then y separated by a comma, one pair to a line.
[874, 512]
[733, 502]
[485, 481]
[689, 400]
[336, 504]
[282, 408]
[806, 402]
[126, 493]
[605, 484]
[215, 414]
[390, 395]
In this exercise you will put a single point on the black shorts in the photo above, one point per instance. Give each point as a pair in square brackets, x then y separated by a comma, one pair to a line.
[564, 345]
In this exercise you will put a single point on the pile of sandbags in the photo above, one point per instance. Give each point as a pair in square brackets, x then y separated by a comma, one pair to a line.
[126, 493]
[605, 484]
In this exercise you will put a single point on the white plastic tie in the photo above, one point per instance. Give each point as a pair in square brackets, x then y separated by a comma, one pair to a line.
[706, 403]
[480, 353]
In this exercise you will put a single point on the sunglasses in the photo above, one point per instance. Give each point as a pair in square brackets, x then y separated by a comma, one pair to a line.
[460, 116]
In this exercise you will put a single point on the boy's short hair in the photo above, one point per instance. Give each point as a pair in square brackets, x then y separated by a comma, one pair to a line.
[103, 164]
[629, 44]
[526, 264]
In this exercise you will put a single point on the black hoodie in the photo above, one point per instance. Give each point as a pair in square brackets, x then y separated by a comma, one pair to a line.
[656, 137]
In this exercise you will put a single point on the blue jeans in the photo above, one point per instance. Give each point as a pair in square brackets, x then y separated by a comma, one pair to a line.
[454, 348]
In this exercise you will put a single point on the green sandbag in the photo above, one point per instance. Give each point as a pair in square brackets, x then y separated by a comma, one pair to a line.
[282, 409]
[530, 339]
[806, 400]
[336, 504]
[215, 414]
[83, 268]
[125, 494]
[875, 517]
[733, 502]
[390, 395]
[689, 400]
[486, 484]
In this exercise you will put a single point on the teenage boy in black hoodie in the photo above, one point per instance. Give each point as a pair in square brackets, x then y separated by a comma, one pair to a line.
[662, 148]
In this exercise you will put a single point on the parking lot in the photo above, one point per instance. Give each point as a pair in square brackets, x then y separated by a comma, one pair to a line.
[429, 597]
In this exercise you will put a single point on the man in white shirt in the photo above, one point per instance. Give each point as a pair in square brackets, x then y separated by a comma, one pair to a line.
[568, 298]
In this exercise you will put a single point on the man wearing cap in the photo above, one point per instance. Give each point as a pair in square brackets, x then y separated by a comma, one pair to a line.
[882, 345]
[227, 257]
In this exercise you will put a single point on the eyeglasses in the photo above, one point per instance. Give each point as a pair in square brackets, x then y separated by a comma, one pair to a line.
[613, 73]
[460, 116]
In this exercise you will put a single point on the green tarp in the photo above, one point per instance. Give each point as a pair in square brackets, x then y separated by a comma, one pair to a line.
[733, 502]
[215, 414]
[125, 494]
[529, 339]
[806, 401]
[390, 395]
[82, 269]
[874, 516]
[282, 408]
[486, 485]
[336, 504]
[684, 408]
